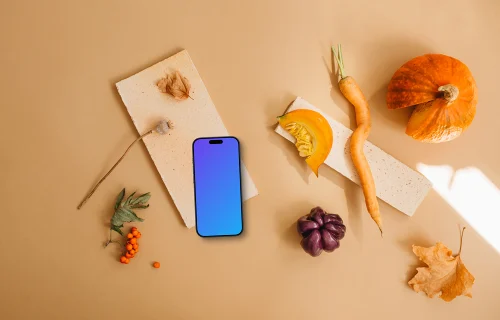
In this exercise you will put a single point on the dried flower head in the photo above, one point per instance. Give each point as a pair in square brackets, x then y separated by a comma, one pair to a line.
[176, 85]
[164, 126]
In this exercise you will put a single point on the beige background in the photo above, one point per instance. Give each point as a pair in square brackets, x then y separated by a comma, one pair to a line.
[64, 125]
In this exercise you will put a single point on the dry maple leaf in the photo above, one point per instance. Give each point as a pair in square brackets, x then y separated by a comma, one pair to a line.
[176, 85]
[446, 273]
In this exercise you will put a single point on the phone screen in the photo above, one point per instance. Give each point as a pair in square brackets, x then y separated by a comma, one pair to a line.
[217, 186]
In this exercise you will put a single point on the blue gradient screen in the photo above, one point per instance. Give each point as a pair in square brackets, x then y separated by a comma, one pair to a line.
[217, 186]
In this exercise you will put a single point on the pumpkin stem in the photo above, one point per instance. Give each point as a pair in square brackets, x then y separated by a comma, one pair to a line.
[450, 92]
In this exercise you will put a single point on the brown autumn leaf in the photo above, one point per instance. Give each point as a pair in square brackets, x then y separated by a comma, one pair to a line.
[176, 85]
[446, 274]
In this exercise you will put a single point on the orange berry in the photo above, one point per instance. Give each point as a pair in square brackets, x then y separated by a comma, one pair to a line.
[132, 252]
[135, 233]
[138, 235]
[136, 250]
[127, 261]
[133, 240]
[133, 229]
[135, 246]
[156, 265]
[129, 247]
[130, 236]
[128, 255]
[123, 259]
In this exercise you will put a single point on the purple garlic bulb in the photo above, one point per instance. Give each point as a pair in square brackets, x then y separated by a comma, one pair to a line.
[320, 231]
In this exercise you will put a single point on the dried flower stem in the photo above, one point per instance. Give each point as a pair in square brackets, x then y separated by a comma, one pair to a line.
[112, 168]
[461, 240]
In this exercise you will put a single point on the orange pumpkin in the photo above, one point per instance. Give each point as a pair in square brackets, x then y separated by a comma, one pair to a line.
[443, 92]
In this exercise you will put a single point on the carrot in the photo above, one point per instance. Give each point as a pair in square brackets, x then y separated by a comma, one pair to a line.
[353, 94]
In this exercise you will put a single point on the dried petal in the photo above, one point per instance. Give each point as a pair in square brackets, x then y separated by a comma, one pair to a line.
[162, 85]
[176, 85]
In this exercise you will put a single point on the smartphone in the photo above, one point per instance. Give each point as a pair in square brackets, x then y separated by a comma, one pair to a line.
[217, 187]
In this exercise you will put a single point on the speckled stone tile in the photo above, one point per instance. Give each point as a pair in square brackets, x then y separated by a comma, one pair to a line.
[396, 183]
[172, 153]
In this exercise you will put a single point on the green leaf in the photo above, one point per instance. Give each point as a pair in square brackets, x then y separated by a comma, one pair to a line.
[142, 199]
[123, 210]
[118, 218]
[123, 215]
[117, 229]
[119, 199]
[140, 206]
[133, 216]
[129, 198]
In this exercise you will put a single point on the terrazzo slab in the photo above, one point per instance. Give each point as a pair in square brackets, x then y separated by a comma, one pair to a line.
[396, 183]
[172, 153]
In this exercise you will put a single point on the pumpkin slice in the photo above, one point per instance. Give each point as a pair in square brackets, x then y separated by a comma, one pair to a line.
[443, 92]
[313, 134]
